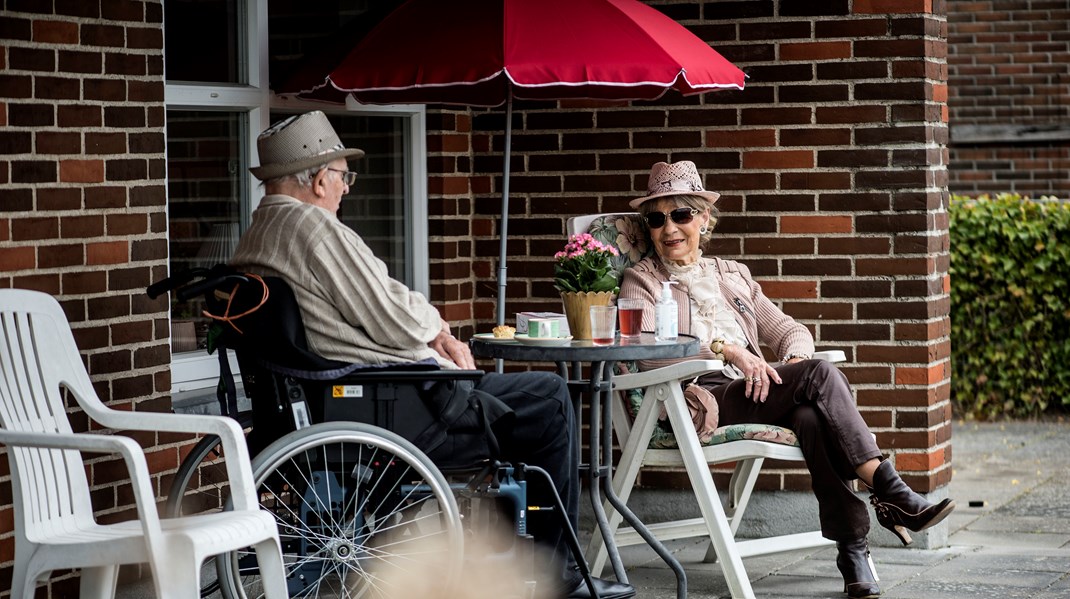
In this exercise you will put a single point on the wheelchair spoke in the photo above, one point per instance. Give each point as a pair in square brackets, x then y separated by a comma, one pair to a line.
[360, 512]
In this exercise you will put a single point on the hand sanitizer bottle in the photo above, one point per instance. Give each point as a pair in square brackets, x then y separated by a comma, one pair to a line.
[666, 325]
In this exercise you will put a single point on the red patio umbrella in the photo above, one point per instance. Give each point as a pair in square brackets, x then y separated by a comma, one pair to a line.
[488, 52]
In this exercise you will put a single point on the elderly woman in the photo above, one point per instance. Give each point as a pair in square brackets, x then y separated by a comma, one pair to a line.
[725, 308]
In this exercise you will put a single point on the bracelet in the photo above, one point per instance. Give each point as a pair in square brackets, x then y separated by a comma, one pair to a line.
[717, 347]
[798, 354]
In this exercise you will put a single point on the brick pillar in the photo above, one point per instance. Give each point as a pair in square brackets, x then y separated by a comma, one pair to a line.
[82, 208]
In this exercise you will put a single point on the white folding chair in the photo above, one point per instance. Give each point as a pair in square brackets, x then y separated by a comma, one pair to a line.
[54, 523]
[662, 388]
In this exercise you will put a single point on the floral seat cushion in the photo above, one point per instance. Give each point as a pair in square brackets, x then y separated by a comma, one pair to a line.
[624, 232]
[663, 437]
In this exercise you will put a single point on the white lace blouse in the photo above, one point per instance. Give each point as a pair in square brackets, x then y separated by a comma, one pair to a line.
[711, 318]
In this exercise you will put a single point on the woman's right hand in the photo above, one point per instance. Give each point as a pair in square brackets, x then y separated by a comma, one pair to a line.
[757, 373]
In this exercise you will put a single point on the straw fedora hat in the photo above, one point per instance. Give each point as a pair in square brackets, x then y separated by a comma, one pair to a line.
[678, 178]
[298, 143]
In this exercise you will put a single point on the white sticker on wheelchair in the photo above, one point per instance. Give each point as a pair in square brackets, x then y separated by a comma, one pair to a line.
[339, 391]
[300, 411]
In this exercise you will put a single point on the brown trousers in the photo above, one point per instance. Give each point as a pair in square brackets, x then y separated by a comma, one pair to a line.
[814, 401]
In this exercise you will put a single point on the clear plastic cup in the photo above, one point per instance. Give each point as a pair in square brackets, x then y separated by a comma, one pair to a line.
[603, 324]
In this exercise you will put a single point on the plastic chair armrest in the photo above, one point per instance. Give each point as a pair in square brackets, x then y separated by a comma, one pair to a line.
[231, 437]
[831, 355]
[133, 456]
[673, 372]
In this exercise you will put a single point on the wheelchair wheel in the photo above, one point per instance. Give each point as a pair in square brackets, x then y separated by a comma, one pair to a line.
[359, 510]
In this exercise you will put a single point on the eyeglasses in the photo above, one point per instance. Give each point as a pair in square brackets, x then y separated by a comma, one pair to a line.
[349, 177]
[680, 216]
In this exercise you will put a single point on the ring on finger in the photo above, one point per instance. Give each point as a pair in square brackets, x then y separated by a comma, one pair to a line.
[755, 379]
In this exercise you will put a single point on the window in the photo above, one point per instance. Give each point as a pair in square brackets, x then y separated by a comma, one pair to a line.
[218, 100]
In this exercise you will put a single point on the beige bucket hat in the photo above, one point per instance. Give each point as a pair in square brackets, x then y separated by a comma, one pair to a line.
[678, 178]
[297, 143]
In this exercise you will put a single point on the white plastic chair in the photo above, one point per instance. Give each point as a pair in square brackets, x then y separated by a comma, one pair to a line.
[663, 387]
[54, 523]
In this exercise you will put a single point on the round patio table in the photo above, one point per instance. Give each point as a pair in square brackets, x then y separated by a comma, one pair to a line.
[602, 360]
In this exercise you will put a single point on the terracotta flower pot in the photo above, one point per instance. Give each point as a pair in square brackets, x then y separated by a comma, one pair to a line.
[578, 309]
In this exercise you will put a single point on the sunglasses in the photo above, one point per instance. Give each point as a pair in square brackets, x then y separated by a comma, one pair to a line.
[680, 216]
[349, 177]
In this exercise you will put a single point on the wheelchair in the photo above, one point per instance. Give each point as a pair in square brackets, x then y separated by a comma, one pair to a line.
[338, 458]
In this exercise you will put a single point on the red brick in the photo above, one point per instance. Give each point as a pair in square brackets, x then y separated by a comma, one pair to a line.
[779, 289]
[46, 283]
[783, 159]
[18, 258]
[58, 142]
[815, 180]
[127, 224]
[81, 171]
[85, 282]
[851, 114]
[922, 376]
[55, 32]
[742, 138]
[54, 256]
[919, 462]
[815, 51]
[107, 252]
[27, 229]
[81, 227]
[895, 266]
[816, 224]
[893, 6]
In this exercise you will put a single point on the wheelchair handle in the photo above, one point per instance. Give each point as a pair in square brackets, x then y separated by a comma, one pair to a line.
[212, 279]
[173, 282]
[209, 284]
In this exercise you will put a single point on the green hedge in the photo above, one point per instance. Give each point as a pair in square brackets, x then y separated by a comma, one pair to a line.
[1010, 310]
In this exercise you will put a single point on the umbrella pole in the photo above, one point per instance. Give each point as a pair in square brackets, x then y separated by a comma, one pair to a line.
[504, 232]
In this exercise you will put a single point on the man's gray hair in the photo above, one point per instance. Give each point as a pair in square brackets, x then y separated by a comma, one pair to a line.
[303, 178]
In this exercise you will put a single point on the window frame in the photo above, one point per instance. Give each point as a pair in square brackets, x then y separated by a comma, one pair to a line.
[195, 371]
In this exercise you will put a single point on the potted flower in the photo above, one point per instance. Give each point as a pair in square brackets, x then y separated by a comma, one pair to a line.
[584, 274]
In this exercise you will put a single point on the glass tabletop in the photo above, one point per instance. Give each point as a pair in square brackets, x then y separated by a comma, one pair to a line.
[642, 348]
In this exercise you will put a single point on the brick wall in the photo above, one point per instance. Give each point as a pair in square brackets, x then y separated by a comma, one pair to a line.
[833, 169]
[1009, 74]
[82, 207]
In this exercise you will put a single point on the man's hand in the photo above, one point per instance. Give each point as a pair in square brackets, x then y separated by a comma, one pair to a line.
[451, 348]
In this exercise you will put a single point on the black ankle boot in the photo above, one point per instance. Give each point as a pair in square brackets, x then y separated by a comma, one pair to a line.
[859, 576]
[898, 508]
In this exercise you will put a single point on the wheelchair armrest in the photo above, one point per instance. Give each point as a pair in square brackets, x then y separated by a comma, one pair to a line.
[404, 376]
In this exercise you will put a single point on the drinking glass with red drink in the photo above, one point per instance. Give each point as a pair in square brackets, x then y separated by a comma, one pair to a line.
[630, 311]
[603, 324]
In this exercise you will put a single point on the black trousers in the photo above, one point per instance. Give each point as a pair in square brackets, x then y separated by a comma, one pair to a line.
[814, 401]
[543, 436]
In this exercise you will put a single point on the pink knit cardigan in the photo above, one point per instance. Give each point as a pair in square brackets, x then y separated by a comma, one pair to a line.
[762, 321]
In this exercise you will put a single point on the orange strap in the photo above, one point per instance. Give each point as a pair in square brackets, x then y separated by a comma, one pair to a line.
[227, 317]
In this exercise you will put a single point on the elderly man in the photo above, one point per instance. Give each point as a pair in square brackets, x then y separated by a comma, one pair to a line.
[354, 312]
